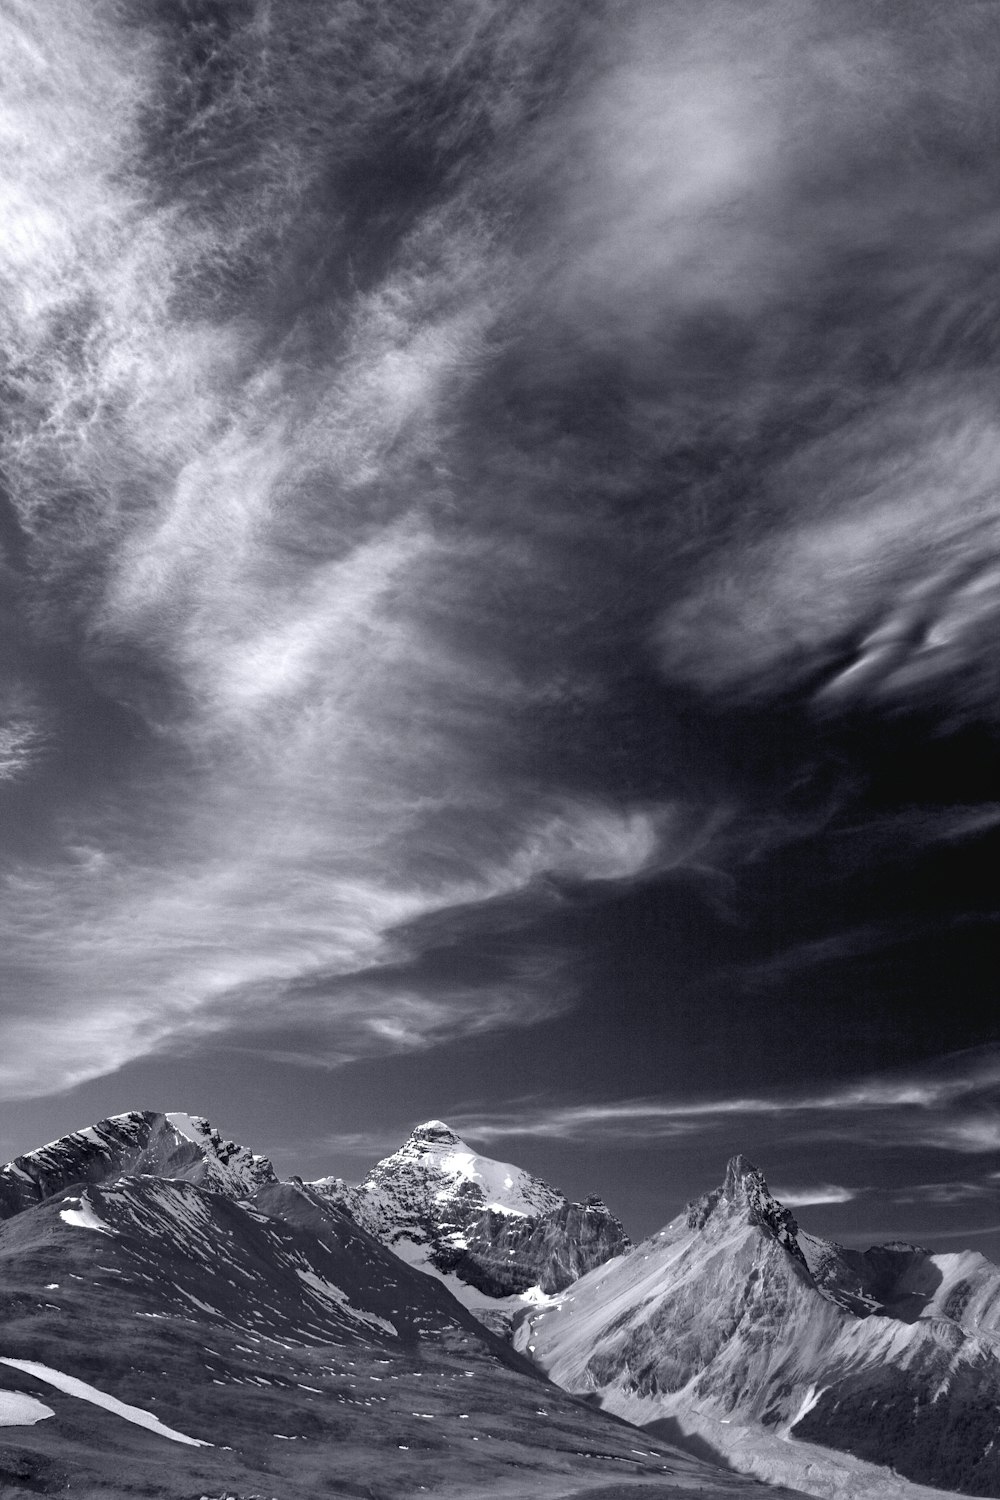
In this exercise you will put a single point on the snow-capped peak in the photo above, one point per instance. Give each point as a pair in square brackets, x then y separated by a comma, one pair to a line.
[446, 1169]
[437, 1131]
[490, 1229]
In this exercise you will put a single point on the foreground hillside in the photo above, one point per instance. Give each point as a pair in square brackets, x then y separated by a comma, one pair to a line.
[168, 1339]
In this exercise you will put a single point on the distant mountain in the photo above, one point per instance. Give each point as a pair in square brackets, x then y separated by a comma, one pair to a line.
[142, 1141]
[769, 1343]
[500, 1238]
[908, 1282]
[168, 1334]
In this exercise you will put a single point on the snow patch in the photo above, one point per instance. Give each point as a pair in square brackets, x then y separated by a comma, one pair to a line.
[535, 1297]
[186, 1127]
[71, 1386]
[335, 1294]
[18, 1410]
[84, 1217]
[809, 1400]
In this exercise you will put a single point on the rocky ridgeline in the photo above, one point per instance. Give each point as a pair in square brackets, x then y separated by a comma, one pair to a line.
[139, 1142]
[481, 1223]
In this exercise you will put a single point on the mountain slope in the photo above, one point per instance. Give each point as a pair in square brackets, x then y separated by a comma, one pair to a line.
[718, 1321]
[908, 1282]
[498, 1237]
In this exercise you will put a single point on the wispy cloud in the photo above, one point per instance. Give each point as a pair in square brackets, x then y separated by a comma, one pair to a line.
[274, 568]
[939, 1106]
[20, 740]
[946, 1194]
[826, 1192]
[350, 517]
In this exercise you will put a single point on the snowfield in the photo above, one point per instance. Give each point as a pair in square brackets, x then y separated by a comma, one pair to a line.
[71, 1386]
[18, 1410]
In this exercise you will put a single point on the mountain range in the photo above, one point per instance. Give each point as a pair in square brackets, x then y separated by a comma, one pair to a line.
[180, 1323]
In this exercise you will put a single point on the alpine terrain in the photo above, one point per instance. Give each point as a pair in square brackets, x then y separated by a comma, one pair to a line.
[499, 1238]
[177, 1323]
[800, 1360]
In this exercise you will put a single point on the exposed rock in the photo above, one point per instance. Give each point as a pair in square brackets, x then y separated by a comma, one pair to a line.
[175, 1145]
[505, 1256]
[487, 1227]
[746, 1190]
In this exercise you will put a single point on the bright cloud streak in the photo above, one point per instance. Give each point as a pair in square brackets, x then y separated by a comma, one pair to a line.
[941, 1109]
[801, 1197]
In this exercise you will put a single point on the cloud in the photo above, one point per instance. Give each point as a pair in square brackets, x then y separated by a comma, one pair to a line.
[907, 542]
[946, 1194]
[384, 404]
[858, 561]
[977, 1132]
[268, 561]
[939, 1106]
[827, 1192]
[20, 740]
[365, 1144]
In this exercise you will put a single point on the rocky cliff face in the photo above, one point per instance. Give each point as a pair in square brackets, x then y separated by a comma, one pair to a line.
[140, 1142]
[504, 1257]
[726, 1319]
[491, 1230]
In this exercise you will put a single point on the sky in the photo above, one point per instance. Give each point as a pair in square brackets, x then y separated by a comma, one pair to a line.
[500, 586]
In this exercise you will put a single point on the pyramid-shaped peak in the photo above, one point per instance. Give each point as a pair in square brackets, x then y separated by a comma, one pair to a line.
[744, 1196]
[435, 1132]
[743, 1178]
[747, 1194]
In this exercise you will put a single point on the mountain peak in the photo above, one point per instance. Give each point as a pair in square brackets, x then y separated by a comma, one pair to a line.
[742, 1178]
[436, 1132]
[744, 1192]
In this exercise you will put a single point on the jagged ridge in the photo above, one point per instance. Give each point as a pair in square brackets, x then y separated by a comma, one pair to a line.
[138, 1142]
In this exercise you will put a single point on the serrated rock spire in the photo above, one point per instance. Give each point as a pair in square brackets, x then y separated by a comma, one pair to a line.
[744, 1192]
